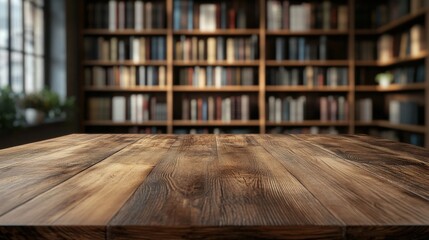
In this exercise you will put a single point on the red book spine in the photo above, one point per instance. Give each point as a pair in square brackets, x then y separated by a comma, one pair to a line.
[218, 108]
[232, 16]
[190, 76]
[148, 54]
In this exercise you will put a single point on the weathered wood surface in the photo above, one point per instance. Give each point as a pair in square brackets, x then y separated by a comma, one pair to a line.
[214, 187]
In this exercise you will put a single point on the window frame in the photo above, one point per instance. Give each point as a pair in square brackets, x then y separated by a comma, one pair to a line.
[23, 53]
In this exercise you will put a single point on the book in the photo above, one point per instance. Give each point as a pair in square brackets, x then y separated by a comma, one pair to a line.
[207, 18]
[112, 15]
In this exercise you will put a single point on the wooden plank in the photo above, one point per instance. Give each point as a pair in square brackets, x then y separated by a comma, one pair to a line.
[388, 164]
[17, 154]
[211, 181]
[352, 194]
[104, 187]
[30, 176]
[178, 189]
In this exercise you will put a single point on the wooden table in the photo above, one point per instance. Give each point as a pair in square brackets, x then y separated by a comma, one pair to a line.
[214, 186]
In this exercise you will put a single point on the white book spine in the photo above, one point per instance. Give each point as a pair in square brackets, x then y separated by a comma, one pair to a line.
[218, 77]
[150, 76]
[245, 108]
[112, 15]
[162, 76]
[194, 109]
[211, 50]
[138, 15]
[118, 109]
[230, 50]
[136, 49]
[139, 108]
[271, 108]
[278, 110]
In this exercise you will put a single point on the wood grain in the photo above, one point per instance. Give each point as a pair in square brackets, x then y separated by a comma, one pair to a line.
[404, 170]
[214, 187]
[233, 182]
[25, 177]
[352, 194]
[104, 186]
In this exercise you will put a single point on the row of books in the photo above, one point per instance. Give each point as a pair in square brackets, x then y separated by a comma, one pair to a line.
[373, 15]
[364, 110]
[334, 108]
[409, 43]
[308, 76]
[287, 109]
[215, 130]
[137, 49]
[219, 108]
[116, 14]
[305, 16]
[136, 108]
[303, 130]
[302, 48]
[146, 130]
[299, 109]
[216, 48]
[407, 137]
[401, 75]
[207, 16]
[125, 76]
[406, 112]
[217, 76]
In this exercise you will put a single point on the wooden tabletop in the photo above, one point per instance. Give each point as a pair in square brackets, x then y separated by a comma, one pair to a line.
[214, 186]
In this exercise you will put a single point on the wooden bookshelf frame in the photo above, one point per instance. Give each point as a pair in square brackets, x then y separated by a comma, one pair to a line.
[261, 64]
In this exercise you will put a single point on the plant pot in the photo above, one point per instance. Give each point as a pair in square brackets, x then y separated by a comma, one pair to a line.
[384, 82]
[34, 116]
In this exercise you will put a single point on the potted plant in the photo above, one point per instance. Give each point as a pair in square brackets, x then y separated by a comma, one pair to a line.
[384, 79]
[35, 107]
[45, 104]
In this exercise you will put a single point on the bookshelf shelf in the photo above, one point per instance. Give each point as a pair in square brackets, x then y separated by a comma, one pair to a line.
[396, 61]
[306, 89]
[216, 89]
[366, 32]
[313, 32]
[125, 124]
[236, 123]
[125, 32]
[401, 21]
[124, 63]
[128, 89]
[392, 88]
[218, 32]
[303, 63]
[387, 124]
[392, 25]
[216, 63]
[307, 123]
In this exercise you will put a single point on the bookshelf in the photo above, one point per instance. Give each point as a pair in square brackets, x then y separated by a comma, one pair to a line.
[192, 57]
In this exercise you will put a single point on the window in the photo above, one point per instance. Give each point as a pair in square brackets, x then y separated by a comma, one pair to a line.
[22, 54]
